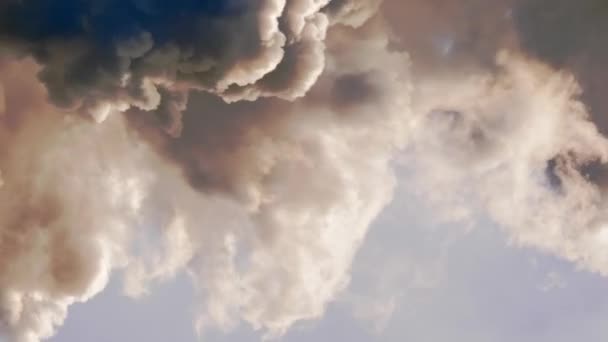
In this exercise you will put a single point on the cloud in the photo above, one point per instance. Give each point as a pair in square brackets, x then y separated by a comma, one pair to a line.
[112, 55]
[515, 144]
[286, 251]
[220, 167]
[568, 35]
[220, 195]
[68, 198]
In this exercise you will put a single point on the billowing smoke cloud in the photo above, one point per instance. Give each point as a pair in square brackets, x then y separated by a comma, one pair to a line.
[289, 252]
[570, 35]
[256, 142]
[515, 136]
[68, 197]
[518, 145]
[101, 56]
[219, 193]
[450, 36]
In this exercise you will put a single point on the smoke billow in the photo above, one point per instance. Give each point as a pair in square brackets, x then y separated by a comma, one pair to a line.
[69, 195]
[306, 197]
[101, 56]
[250, 143]
[219, 191]
[509, 117]
[570, 35]
[517, 145]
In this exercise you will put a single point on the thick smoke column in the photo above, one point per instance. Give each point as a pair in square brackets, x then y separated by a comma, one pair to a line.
[256, 138]
[69, 195]
[298, 237]
[516, 145]
[99, 56]
[241, 197]
[570, 35]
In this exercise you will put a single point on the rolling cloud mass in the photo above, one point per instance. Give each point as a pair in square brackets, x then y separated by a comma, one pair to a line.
[250, 144]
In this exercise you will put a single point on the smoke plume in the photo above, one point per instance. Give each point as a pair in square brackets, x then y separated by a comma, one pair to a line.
[69, 195]
[218, 192]
[251, 143]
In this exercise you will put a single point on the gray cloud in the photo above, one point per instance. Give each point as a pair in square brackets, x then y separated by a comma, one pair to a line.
[120, 54]
[570, 35]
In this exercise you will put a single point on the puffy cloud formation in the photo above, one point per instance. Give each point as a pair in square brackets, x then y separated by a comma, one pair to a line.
[449, 35]
[68, 197]
[306, 197]
[518, 146]
[516, 136]
[101, 56]
[256, 143]
[570, 35]
[264, 203]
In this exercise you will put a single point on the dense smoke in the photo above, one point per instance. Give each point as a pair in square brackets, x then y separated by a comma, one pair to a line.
[100, 56]
[570, 35]
[262, 245]
[68, 195]
[509, 117]
[519, 145]
[251, 143]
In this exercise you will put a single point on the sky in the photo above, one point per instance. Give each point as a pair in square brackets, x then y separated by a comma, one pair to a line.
[296, 170]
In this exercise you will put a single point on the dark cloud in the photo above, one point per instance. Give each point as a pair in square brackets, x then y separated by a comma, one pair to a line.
[111, 54]
[88, 48]
[217, 148]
